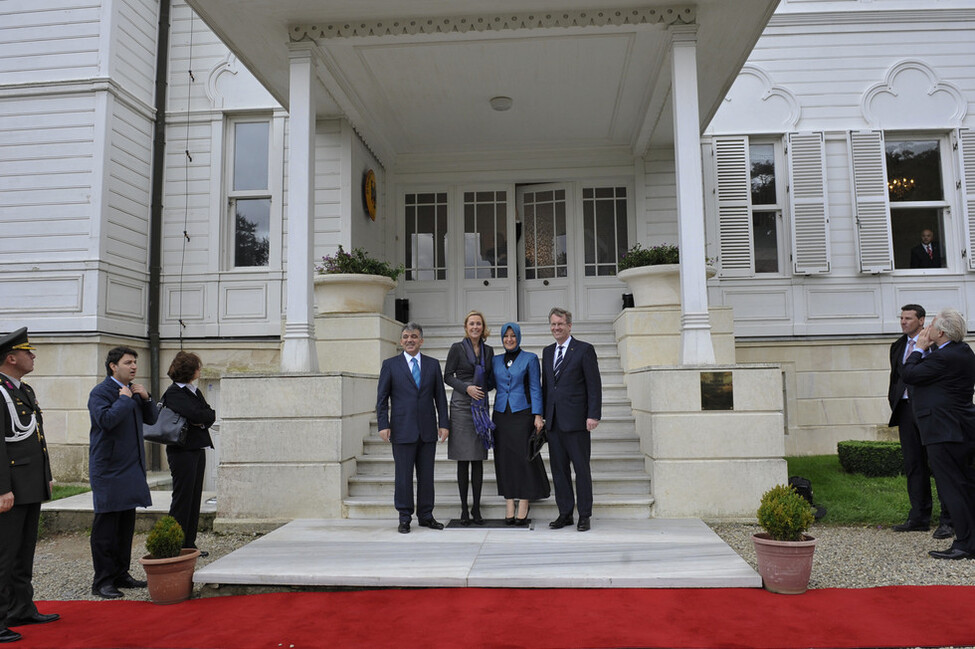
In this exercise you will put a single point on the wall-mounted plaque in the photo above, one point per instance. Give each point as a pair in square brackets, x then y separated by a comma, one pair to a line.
[717, 392]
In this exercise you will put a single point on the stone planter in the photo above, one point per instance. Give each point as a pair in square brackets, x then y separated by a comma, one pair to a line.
[171, 580]
[655, 285]
[351, 293]
[785, 566]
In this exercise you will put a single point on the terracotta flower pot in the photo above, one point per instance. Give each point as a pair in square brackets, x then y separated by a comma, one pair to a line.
[785, 566]
[171, 580]
[351, 293]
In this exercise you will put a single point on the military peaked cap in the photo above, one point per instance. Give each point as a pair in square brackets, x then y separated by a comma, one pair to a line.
[13, 341]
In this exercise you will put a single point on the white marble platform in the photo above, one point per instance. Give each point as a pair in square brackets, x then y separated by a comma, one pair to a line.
[616, 553]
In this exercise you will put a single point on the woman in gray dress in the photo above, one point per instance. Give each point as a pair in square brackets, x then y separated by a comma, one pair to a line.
[468, 372]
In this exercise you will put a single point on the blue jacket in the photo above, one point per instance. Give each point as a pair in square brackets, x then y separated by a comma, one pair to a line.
[509, 383]
[117, 454]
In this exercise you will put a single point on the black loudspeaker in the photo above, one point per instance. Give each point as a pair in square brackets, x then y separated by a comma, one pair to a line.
[403, 309]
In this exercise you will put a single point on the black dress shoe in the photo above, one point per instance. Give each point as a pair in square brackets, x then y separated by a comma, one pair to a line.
[465, 518]
[476, 517]
[36, 618]
[583, 525]
[404, 527]
[128, 581]
[509, 520]
[944, 531]
[432, 523]
[951, 553]
[911, 526]
[560, 522]
[6, 635]
[106, 592]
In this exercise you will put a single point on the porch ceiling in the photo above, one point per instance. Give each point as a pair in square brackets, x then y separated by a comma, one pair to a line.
[415, 79]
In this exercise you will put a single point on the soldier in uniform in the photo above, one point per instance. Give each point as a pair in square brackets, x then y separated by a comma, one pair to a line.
[25, 481]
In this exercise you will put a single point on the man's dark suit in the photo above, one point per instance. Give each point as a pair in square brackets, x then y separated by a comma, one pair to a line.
[941, 385]
[413, 416]
[25, 470]
[921, 259]
[575, 396]
[915, 457]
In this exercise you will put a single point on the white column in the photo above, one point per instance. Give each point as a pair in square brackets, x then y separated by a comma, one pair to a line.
[696, 347]
[298, 353]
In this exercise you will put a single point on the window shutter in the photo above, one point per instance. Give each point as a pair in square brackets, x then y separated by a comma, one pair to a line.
[966, 158]
[810, 217]
[872, 208]
[734, 198]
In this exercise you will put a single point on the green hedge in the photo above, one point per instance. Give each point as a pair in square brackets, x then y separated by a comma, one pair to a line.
[872, 459]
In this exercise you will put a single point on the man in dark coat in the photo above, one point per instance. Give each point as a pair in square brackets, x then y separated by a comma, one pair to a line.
[941, 381]
[902, 415]
[410, 401]
[25, 482]
[117, 470]
[573, 395]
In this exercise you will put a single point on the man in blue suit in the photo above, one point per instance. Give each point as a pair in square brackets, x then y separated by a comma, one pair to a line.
[573, 394]
[413, 383]
[940, 375]
[117, 470]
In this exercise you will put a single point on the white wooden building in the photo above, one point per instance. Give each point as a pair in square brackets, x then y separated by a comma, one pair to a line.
[518, 147]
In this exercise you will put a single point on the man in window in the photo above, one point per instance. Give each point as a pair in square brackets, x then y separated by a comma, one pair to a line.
[926, 254]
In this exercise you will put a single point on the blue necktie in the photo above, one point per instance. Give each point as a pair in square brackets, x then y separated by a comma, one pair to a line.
[416, 372]
[558, 363]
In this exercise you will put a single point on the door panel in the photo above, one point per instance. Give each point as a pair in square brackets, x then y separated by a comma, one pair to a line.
[488, 283]
[545, 250]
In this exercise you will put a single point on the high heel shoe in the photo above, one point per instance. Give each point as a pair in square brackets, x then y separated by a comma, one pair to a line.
[465, 518]
[476, 516]
[521, 522]
[509, 520]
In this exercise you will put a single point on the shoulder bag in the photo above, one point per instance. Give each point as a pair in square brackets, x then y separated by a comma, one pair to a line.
[169, 429]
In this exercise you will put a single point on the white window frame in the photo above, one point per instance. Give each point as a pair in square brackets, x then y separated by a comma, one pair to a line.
[800, 184]
[868, 162]
[274, 191]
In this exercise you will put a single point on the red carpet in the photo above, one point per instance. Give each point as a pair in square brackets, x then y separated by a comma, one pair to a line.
[895, 616]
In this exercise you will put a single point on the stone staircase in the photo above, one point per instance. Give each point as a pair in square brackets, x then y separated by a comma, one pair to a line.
[621, 485]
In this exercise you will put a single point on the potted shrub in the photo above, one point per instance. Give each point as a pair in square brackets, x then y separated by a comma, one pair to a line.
[785, 553]
[353, 282]
[169, 567]
[653, 274]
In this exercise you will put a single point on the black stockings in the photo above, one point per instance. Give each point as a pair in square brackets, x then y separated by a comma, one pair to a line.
[474, 475]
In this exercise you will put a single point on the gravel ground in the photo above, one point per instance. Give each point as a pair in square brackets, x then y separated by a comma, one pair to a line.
[846, 557]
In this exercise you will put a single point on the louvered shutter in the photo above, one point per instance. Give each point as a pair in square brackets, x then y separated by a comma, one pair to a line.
[966, 158]
[733, 200]
[810, 217]
[872, 207]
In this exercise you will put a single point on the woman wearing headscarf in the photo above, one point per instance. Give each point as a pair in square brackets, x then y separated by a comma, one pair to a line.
[517, 416]
[468, 372]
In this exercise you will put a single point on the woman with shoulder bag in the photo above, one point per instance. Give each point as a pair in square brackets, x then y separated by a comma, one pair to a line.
[187, 462]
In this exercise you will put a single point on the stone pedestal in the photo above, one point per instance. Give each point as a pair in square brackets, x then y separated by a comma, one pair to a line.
[709, 463]
[355, 342]
[652, 336]
[289, 443]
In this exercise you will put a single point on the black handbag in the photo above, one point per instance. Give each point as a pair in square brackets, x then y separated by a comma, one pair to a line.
[535, 443]
[170, 428]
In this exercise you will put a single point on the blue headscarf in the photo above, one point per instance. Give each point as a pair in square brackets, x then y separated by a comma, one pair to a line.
[514, 328]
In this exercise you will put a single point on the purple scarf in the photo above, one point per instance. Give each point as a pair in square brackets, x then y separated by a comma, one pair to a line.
[483, 425]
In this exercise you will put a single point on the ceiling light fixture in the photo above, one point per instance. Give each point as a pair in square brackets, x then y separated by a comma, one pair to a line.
[500, 103]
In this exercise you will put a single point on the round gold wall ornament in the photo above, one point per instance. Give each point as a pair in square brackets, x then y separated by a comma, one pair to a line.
[369, 193]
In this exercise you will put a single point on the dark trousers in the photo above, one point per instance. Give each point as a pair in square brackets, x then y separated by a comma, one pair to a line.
[421, 457]
[111, 546]
[571, 451]
[916, 468]
[18, 537]
[187, 467]
[951, 463]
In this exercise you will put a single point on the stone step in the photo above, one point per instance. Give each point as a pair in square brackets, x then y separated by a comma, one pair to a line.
[608, 463]
[605, 441]
[492, 507]
[616, 482]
